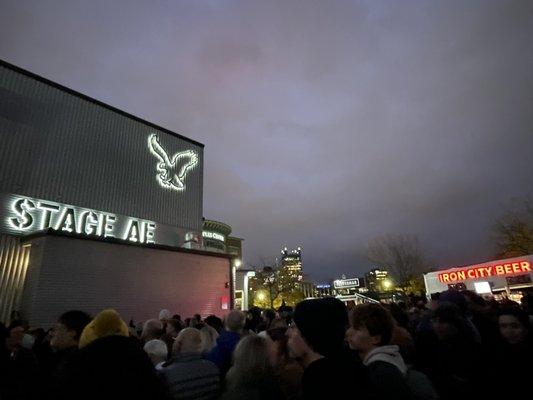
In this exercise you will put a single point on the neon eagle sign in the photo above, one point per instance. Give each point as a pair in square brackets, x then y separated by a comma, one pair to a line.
[171, 171]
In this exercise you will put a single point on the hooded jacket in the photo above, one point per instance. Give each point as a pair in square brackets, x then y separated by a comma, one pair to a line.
[388, 354]
[386, 370]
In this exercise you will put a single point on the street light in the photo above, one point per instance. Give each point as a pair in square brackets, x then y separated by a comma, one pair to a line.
[387, 284]
[261, 296]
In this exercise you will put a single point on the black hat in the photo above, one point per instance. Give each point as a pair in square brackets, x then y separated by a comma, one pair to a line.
[322, 323]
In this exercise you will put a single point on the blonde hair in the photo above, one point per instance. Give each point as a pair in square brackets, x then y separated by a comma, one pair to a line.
[209, 338]
[251, 364]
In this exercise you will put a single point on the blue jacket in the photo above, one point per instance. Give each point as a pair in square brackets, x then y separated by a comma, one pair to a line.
[222, 352]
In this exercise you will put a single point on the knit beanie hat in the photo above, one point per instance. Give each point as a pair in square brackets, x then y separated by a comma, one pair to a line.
[106, 323]
[164, 314]
[322, 323]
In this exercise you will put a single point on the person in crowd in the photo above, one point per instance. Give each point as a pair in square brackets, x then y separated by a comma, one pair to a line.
[106, 323]
[173, 327]
[112, 367]
[451, 355]
[401, 336]
[252, 374]
[513, 354]
[214, 322]
[66, 332]
[482, 317]
[209, 339]
[371, 330]
[152, 329]
[19, 378]
[227, 341]
[316, 339]
[267, 317]
[253, 320]
[164, 316]
[188, 376]
[64, 341]
[157, 351]
[527, 304]
[288, 371]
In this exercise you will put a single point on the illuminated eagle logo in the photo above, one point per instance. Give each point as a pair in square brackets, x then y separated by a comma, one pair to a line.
[172, 172]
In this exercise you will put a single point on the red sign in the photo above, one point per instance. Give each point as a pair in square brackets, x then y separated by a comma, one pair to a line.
[484, 272]
[224, 302]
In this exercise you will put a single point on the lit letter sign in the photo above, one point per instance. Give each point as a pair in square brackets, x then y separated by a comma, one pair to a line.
[31, 215]
[346, 283]
[506, 269]
[213, 235]
[171, 172]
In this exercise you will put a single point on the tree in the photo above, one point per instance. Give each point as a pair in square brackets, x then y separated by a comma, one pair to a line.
[401, 256]
[272, 285]
[514, 232]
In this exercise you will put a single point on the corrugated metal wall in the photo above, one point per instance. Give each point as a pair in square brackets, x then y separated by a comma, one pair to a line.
[61, 147]
[138, 282]
[13, 266]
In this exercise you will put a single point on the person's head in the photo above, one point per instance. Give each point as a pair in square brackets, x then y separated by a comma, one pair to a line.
[106, 323]
[152, 329]
[209, 338]
[214, 322]
[235, 321]
[164, 315]
[252, 362]
[318, 329]
[157, 351]
[173, 327]
[268, 316]
[455, 297]
[117, 364]
[67, 330]
[449, 322]
[514, 325]
[189, 340]
[371, 326]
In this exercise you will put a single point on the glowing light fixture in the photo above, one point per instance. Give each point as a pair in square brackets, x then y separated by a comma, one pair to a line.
[172, 172]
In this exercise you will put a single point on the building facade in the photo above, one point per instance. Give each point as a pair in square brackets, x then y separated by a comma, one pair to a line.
[98, 209]
[376, 280]
[291, 263]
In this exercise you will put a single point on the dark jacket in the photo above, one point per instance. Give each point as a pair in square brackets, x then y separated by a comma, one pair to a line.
[190, 377]
[386, 370]
[335, 377]
[222, 352]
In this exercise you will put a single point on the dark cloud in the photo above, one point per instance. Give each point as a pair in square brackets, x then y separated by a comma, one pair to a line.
[325, 123]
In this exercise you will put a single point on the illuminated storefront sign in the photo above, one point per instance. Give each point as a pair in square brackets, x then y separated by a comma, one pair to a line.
[518, 267]
[346, 283]
[213, 235]
[171, 172]
[28, 215]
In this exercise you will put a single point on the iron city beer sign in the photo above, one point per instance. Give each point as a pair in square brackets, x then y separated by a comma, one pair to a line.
[486, 271]
[27, 215]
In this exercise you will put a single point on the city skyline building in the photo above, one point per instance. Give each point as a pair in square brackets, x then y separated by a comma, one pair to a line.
[291, 263]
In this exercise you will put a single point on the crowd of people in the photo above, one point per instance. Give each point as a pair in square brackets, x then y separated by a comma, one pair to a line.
[459, 345]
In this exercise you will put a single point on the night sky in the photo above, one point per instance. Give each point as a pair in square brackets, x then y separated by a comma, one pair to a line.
[326, 123]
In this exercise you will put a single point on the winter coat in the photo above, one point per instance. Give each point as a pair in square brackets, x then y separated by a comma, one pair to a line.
[222, 352]
[386, 370]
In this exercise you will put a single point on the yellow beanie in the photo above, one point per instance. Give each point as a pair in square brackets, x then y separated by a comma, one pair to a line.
[106, 323]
